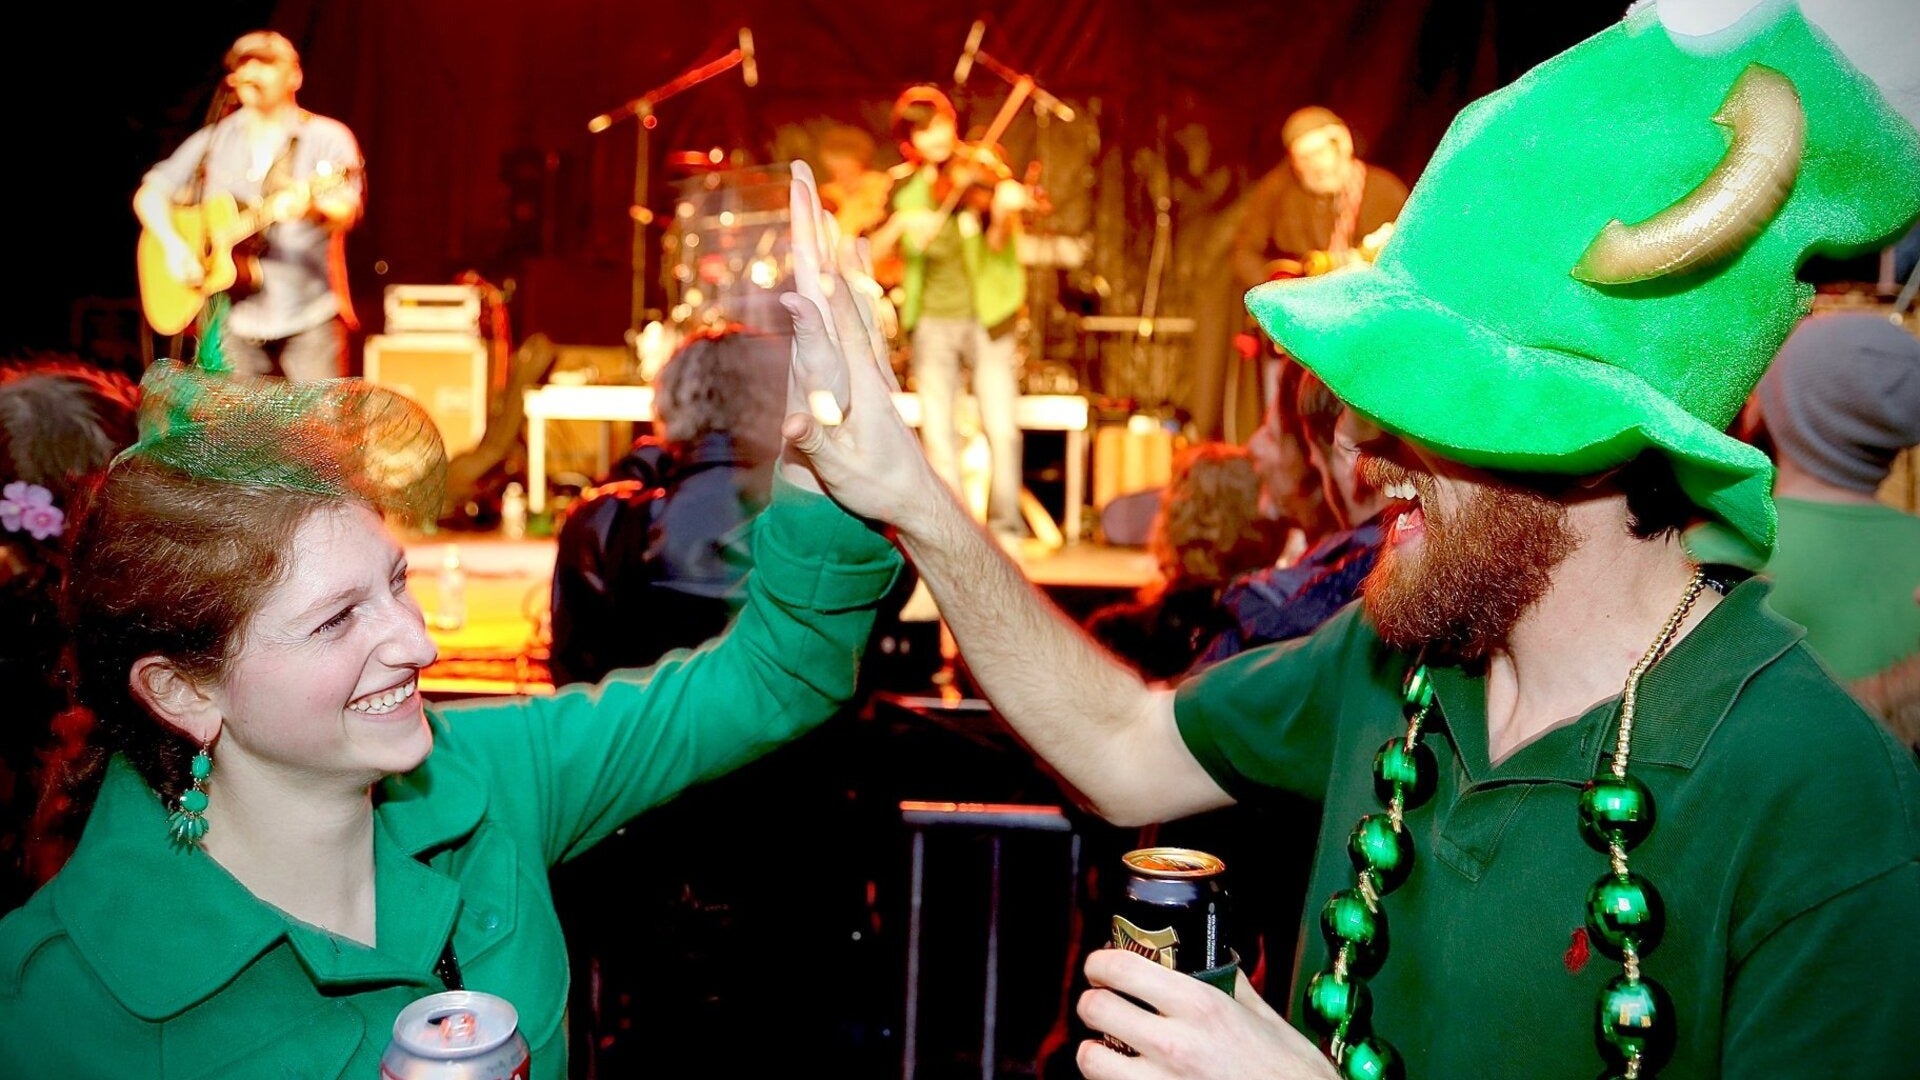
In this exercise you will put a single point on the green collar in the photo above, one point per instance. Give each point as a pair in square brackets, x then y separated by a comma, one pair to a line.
[167, 928]
[1682, 700]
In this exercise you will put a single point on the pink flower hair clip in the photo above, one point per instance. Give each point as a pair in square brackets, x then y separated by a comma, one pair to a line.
[29, 508]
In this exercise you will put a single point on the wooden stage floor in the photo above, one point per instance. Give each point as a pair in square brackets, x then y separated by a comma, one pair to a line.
[501, 646]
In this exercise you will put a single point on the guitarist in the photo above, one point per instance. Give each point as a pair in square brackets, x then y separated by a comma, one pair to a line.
[1317, 211]
[1320, 209]
[290, 314]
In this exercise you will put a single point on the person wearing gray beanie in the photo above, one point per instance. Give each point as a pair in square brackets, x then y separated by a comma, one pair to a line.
[1842, 399]
[1838, 404]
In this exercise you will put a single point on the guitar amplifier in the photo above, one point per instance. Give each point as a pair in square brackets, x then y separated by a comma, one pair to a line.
[1132, 457]
[445, 373]
[451, 309]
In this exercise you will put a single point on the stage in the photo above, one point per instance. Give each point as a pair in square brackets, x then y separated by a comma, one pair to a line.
[501, 645]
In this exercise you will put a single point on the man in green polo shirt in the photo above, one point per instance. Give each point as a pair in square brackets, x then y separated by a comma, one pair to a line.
[1588, 810]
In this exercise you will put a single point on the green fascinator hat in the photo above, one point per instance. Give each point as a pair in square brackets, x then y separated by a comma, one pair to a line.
[338, 438]
[1601, 258]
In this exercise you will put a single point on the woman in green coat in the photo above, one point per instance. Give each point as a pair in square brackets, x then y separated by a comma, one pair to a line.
[287, 845]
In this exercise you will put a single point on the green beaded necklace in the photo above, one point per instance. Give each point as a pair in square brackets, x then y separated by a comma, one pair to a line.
[1624, 912]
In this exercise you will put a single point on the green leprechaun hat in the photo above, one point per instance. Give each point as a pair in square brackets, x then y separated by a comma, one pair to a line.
[1601, 258]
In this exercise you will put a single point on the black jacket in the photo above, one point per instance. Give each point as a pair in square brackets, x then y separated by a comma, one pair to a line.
[652, 559]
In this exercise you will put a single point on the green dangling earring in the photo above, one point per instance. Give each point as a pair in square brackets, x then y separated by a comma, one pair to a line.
[188, 822]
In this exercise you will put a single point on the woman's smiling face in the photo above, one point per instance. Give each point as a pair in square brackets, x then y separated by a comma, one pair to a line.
[325, 682]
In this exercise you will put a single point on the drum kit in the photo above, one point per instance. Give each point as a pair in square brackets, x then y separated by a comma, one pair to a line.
[724, 245]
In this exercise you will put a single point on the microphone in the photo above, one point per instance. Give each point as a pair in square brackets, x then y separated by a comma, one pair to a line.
[748, 69]
[965, 67]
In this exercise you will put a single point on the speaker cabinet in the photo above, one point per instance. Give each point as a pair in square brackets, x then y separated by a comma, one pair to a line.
[445, 373]
[1131, 457]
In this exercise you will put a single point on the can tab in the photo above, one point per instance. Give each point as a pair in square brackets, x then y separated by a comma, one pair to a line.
[456, 1029]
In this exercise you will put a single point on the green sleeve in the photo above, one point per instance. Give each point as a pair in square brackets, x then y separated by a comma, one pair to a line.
[1835, 990]
[570, 769]
[1269, 717]
[1823, 964]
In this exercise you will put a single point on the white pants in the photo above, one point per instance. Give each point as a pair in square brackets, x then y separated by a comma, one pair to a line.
[941, 349]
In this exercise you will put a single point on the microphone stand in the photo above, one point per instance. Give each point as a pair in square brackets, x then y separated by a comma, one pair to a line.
[1046, 108]
[1043, 102]
[642, 108]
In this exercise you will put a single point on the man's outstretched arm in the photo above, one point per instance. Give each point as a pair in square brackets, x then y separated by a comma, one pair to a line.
[1094, 721]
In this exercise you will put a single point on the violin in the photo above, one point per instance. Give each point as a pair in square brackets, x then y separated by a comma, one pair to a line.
[973, 171]
[968, 179]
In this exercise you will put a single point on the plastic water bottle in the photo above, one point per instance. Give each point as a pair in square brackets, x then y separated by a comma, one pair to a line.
[451, 613]
[513, 511]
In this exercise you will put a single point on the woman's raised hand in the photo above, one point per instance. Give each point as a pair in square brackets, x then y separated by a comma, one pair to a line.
[841, 423]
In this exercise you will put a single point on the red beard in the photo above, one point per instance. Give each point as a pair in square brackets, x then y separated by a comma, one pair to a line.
[1478, 569]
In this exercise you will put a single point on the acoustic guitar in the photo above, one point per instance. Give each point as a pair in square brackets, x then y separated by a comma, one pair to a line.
[1315, 263]
[1312, 264]
[213, 227]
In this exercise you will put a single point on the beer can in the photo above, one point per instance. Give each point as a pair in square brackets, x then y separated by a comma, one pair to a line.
[1173, 911]
[457, 1035]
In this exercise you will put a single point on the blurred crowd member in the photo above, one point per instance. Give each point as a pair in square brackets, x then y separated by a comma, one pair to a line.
[1837, 405]
[1291, 489]
[1283, 602]
[1208, 530]
[61, 421]
[653, 558]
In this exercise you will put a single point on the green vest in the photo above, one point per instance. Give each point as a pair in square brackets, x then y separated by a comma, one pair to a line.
[999, 281]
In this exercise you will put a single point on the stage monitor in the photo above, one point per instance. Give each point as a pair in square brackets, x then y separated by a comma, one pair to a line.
[445, 373]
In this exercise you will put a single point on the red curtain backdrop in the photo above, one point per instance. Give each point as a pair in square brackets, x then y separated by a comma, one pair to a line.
[473, 117]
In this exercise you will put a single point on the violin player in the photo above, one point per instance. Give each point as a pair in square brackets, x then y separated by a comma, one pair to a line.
[956, 214]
